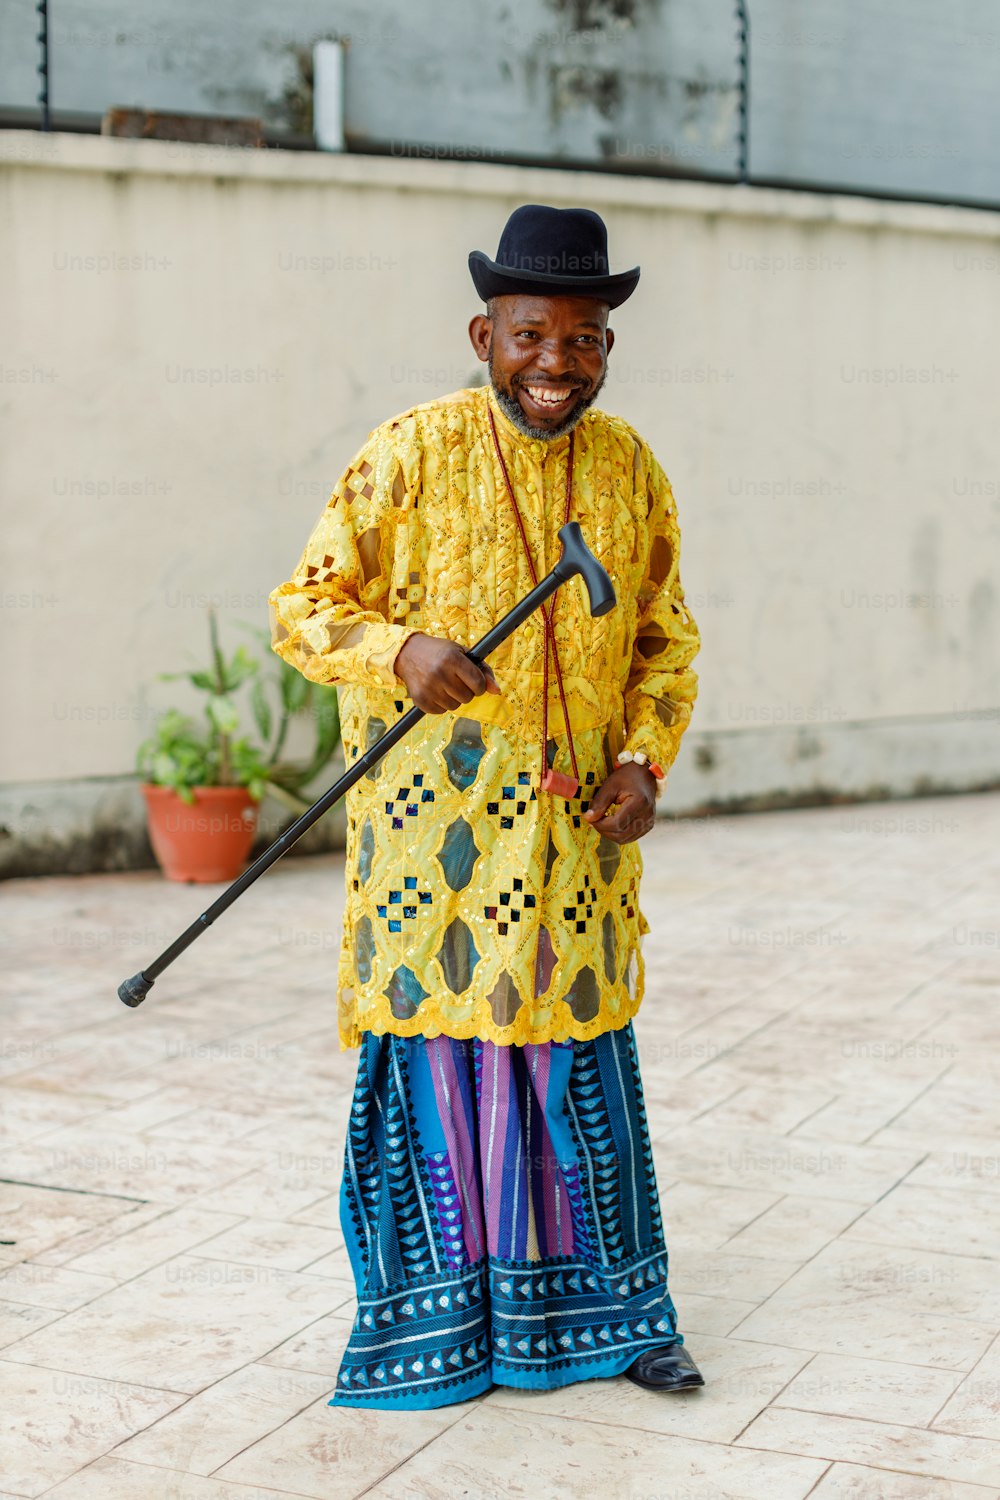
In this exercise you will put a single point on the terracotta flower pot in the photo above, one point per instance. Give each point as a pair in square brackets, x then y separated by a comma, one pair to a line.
[207, 841]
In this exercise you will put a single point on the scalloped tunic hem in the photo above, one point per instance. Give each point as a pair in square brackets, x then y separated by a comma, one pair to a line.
[558, 1024]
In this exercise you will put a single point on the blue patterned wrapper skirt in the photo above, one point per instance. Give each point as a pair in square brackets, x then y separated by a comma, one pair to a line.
[502, 1219]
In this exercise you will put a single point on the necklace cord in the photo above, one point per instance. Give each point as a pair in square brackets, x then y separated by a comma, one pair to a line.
[547, 611]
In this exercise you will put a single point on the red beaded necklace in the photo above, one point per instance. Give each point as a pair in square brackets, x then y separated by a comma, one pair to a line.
[551, 781]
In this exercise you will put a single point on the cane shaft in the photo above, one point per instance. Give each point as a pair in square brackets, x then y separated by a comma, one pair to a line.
[134, 990]
[361, 767]
[282, 844]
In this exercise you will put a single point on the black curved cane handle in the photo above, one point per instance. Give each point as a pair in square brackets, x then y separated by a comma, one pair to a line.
[578, 558]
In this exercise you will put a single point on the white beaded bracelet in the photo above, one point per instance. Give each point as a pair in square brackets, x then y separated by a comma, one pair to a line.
[640, 758]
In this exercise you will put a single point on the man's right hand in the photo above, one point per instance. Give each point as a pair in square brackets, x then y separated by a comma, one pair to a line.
[438, 674]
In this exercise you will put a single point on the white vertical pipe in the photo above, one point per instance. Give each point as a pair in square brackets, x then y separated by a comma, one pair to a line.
[328, 95]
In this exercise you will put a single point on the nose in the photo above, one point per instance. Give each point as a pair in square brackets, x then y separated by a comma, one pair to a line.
[555, 359]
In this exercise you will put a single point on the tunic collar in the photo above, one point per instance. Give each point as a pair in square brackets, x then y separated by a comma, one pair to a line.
[537, 449]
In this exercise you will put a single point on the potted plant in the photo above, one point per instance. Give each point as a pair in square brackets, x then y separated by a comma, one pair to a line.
[203, 784]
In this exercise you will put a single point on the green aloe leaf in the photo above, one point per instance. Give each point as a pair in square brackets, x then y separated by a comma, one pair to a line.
[224, 714]
[263, 716]
[294, 689]
[240, 666]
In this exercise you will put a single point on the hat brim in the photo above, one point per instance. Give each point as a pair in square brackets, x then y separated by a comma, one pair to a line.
[492, 280]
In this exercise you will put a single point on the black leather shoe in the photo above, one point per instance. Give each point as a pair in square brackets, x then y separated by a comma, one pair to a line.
[668, 1368]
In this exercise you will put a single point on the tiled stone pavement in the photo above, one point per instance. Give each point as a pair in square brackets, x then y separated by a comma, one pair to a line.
[818, 1047]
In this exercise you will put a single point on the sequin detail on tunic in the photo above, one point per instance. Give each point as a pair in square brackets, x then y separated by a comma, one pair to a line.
[478, 905]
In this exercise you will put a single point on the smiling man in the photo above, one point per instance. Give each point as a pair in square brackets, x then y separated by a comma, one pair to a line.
[499, 1200]
[542, 392]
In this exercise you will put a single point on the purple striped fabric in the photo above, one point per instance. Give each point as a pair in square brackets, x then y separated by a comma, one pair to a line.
[500, 1212]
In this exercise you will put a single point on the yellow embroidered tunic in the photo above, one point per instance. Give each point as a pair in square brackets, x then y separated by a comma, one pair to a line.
[478, 905]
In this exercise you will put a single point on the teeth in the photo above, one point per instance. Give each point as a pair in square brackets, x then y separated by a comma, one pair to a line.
[545, 397]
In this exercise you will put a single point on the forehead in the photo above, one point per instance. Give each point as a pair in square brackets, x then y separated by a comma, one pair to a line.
[556, 312]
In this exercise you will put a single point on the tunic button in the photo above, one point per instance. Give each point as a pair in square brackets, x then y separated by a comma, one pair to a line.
[531, 487]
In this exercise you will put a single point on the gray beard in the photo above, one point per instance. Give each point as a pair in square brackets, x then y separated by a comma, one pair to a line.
[511, 408]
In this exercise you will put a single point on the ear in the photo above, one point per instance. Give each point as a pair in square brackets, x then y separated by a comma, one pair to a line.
[609, 338]
[480, 332]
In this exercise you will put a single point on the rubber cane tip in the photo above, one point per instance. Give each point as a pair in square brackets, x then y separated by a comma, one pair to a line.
[134, 991]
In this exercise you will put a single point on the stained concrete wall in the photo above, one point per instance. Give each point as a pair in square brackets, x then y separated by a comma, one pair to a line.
[198, 339]
[902, 96]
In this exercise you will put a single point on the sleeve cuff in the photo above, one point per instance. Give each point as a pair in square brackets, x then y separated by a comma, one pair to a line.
[383, 644]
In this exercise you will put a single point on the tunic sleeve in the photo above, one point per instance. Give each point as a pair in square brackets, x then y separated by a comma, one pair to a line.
[330, 619]
[661, 687]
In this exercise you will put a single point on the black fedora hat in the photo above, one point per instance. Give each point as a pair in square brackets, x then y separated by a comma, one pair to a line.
[550, 252]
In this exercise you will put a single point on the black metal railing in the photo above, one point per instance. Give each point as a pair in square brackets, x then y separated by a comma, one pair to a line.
[43, 62]
[743, 116]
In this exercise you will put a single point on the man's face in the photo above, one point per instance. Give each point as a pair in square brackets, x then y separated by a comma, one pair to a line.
[548, 357]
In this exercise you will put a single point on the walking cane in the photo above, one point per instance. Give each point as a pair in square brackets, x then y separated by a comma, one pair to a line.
[576, 558]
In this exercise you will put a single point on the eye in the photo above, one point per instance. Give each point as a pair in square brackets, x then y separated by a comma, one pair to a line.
[526, 333]
[588, 338]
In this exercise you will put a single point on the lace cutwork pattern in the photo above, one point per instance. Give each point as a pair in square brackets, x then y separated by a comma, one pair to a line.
[478, 905]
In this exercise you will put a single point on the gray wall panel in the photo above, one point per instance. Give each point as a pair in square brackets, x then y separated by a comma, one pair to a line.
[897, 96]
